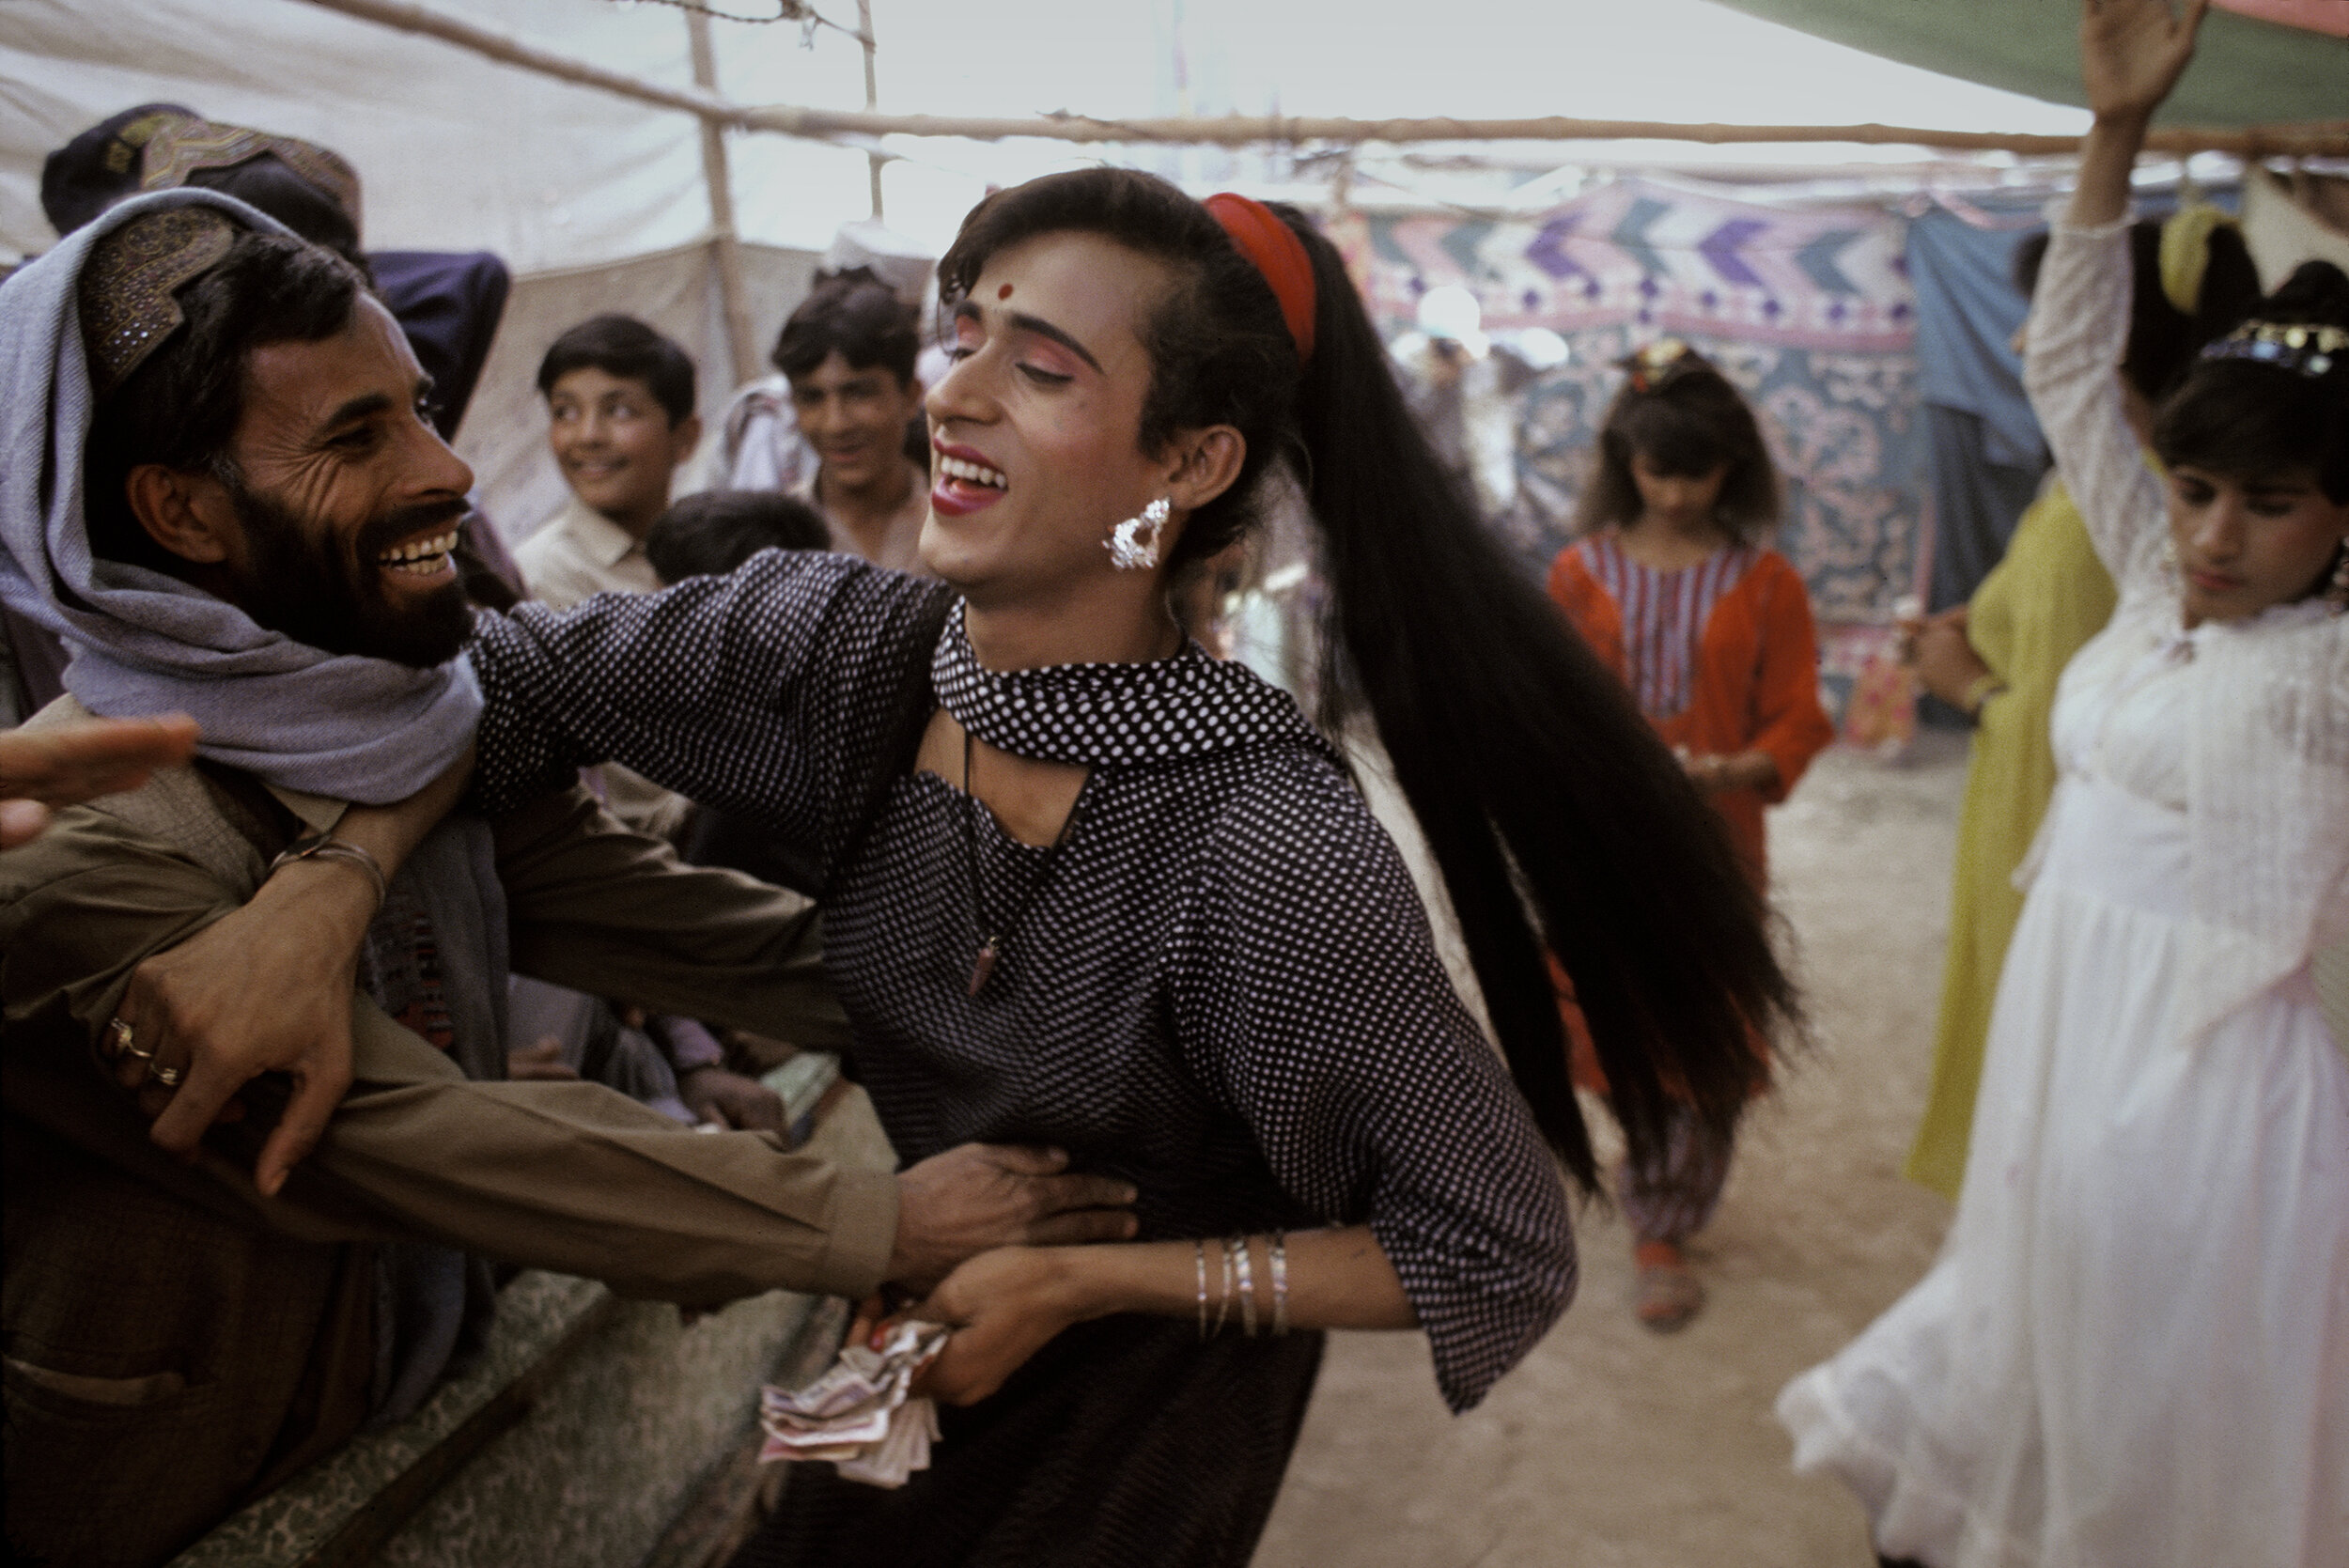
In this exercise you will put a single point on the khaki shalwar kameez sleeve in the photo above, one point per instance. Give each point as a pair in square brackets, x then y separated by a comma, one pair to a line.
[567, 1176]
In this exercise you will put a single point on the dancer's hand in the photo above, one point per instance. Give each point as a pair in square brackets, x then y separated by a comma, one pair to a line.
[2132, 51]
[64, 764]
[954, 1206]
[1946, 661]
[1003, 1307]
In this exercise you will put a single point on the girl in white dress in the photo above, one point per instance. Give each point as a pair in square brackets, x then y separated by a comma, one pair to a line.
[2133, 1350]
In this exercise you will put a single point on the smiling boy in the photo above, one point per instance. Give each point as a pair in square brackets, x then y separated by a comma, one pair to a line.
[620, 422]
[848, 354]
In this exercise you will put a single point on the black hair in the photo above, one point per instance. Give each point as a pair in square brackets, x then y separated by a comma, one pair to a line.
[1687, 420]
[2163, 339]
[710, 533]
[267, 182]
[2243, 418]
[1556, 816]
[856, 318]
[628, 349]
[182, 407]
[101, 167]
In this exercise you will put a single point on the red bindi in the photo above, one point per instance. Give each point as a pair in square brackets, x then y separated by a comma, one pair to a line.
[1004, 292]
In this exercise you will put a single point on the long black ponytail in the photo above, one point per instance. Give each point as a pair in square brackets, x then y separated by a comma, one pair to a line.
[1556, 818]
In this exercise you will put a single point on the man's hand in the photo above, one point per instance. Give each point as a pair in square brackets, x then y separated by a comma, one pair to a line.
[64, 764]
[265, 988]
[954, 1206]
[731, 1100]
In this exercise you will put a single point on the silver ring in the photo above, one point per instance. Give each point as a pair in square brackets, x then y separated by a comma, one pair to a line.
[167, 1076]
[119, 1044]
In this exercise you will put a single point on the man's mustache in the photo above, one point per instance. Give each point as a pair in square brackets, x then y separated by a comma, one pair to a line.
[393, 526]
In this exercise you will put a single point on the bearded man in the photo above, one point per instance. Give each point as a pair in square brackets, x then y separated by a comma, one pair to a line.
[221, 491]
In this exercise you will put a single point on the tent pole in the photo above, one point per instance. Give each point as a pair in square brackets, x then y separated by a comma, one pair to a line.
[872, 93]
[2316, 139]
[726, 242]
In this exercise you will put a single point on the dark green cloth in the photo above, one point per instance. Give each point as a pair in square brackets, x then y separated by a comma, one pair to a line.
[2245, 72]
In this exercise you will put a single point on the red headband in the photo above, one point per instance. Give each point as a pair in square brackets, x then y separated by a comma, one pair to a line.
[1278, 253]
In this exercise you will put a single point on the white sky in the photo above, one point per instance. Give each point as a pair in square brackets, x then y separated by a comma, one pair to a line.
[456, 152]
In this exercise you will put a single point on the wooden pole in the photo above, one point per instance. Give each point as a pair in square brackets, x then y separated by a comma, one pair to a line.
[725, 240]
[2315, 139]
[872, 93]
[2323, 138]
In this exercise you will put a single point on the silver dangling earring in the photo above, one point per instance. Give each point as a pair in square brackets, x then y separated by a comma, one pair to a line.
[1133, 545]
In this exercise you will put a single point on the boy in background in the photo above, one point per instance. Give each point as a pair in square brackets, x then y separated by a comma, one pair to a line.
[620, 422]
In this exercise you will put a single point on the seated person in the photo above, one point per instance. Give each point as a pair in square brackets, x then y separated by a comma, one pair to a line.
[848, 354]
[620, 422]
[248, 519]
[710, 533]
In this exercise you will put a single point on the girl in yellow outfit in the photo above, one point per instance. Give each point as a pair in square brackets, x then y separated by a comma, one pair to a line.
[1998, 656]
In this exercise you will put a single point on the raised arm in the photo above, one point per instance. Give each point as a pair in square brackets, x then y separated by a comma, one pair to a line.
[2132, 53]
[748, 694]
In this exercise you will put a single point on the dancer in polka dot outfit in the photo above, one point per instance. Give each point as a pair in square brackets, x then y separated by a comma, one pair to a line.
[1087, 886]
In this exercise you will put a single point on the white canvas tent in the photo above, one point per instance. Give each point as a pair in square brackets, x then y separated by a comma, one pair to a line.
[599, 201]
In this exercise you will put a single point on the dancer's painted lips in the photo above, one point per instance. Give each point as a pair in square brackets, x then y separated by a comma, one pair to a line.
[966, 481]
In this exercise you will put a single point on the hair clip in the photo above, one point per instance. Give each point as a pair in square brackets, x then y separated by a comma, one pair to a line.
[1656, 366]
[2299, 346]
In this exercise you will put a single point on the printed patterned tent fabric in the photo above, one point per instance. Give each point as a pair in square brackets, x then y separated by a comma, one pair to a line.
[1810, 312]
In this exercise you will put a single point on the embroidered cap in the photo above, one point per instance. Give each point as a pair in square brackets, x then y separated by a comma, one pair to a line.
[181, 148]
[128, 295]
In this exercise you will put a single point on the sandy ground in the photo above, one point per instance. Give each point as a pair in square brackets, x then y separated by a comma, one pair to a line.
[1612, 1447]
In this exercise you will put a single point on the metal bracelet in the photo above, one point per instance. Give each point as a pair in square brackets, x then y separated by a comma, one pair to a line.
[326, 846]
[1247, 1288]
[1279, 1283]
[1224, 1300]
[1200, 1249]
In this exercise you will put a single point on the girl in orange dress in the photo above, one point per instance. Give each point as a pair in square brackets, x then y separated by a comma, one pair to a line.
[1671, 584]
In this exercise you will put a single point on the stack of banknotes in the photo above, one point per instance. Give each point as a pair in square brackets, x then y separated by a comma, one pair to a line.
[858, 1415]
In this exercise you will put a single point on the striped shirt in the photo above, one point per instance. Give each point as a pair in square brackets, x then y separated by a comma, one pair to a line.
[1664, 614]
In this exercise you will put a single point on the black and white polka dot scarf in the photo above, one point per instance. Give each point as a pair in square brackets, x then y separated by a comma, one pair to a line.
[1191, 705]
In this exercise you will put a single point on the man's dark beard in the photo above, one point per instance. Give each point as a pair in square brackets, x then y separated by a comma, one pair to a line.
[306, 588]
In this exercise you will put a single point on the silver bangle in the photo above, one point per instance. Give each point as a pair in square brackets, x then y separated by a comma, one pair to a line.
[1247, 1288]
[1224, 1300]
[326, 846]
[1200, 1249]
[1279, 1283]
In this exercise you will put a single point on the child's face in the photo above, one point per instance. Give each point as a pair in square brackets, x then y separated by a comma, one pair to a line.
[614, 445]
[2244, 546]
[1685, 502]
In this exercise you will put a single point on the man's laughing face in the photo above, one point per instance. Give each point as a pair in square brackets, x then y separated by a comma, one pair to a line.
[347, 504]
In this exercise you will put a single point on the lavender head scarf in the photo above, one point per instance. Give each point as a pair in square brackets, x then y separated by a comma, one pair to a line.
[141, 642]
